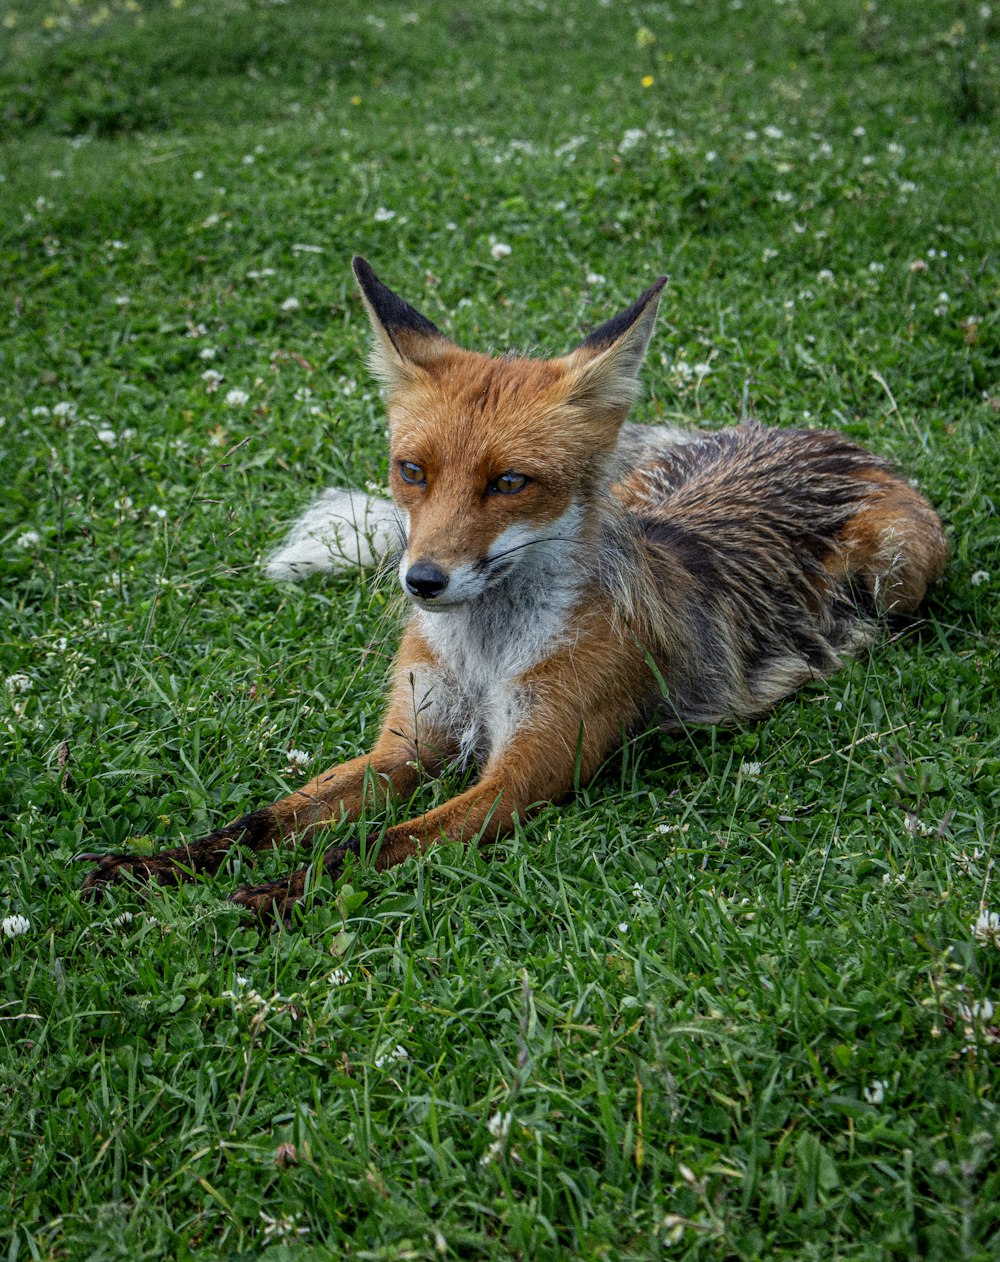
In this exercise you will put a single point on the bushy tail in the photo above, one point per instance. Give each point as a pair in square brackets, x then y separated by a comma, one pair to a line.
[342, 531]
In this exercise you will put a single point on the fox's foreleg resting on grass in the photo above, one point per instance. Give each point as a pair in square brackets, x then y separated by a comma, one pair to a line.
[546, 729]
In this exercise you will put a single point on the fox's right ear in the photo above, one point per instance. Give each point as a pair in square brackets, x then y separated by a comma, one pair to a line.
[404, 339]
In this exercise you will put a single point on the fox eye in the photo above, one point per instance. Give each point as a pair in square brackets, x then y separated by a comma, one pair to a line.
[510, 483]
[411, 472]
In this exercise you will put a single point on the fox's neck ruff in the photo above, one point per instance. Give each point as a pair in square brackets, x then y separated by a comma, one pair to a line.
[523, 617]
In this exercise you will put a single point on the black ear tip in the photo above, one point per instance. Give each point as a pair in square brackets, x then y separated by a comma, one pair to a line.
[362, 269]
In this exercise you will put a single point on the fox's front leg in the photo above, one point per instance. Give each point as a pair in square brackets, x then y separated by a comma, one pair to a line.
[565, 728]
[406, 746]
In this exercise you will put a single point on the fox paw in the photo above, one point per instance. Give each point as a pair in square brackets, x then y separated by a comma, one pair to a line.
[276, 900]
[272, 901]
[124, 869]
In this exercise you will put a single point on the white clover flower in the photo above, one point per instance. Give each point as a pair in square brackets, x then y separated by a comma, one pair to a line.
[978, 1018]
[595, 278]
[14, 926]
[236, 398]
[399, 1052]
[291, 304]
[280, 1228]
[500, 250]
[750, 769]
[783, 197]
[875, 1094]
[64, 408]
[980, 577]
[30, 539]
[122, 300]
[986, 929]
[339, 977]
[773, 133]
[155, 510]
[207, 352]
[499, 1125]
[383, 215]
[826, 276]
[623, 926]
[212, 380]
[19, 683]
[108, 437]
[121, 922]
[631, 138]
[41, 411]
[858, 131]
[298, 759]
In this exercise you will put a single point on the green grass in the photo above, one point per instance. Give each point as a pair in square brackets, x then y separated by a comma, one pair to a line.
[749, 1037]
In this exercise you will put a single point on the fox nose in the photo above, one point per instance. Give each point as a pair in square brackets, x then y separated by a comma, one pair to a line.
[426, 580]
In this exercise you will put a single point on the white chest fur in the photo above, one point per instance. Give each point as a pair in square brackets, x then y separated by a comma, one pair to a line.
[476, 693]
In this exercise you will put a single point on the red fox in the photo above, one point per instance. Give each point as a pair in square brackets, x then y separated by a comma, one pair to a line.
[573, 578]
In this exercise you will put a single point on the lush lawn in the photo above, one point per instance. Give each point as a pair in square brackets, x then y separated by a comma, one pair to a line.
[729, 1003]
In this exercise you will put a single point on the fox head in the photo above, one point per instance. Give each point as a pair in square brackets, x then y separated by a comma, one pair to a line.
[493, 459]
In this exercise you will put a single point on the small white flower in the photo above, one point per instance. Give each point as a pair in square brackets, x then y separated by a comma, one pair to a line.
[297, 759]
[339, 977]
[499, 1125]
[773, 133]
[631, 139]
[875, 268]
[399, 1052]
[980, 577]
[291, 304]
[155, 510]
[595, 278]
[280, 1228]
[261, 272]
[500, 250]
[986, 929]
[826, 276]
[126, 918]
[30, 539]
[207, 352]
[383, 215]
[943, 297]
[978, 1017]
[665, 829]
[623, 927]
[108, 437]
[64, 408]
[14, 926]
[858, 131]
[783, 197]
[750, 769]
[19, 683]
[875, 1094]
[122, 300]
[40, 411]
[236, 398]
[212, 380]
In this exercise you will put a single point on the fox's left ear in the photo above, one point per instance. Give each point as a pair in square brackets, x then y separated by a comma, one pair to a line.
[604, 368]
[404, 339]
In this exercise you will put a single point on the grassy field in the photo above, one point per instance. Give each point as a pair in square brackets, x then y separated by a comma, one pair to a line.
[735, 1000]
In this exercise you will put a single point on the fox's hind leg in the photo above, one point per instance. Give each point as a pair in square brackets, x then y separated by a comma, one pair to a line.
[893, 548]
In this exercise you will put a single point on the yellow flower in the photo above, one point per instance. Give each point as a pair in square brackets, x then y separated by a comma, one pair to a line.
[355, 100]
[648, 81]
